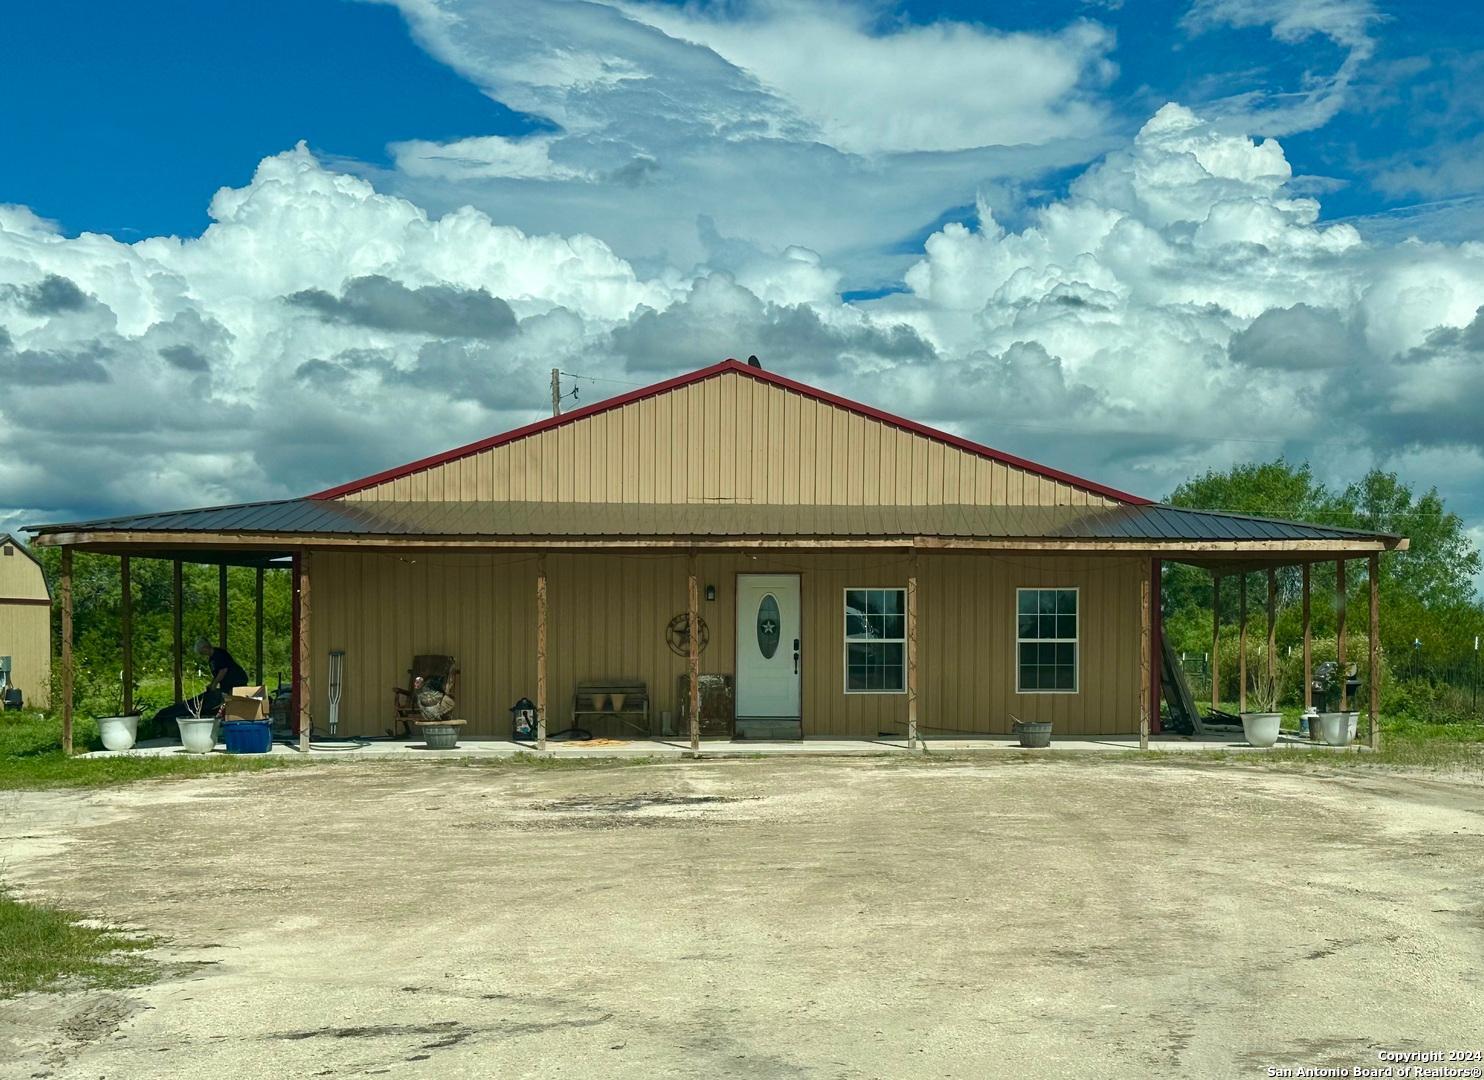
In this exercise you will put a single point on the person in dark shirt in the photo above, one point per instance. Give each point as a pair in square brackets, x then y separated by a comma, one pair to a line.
[226, 675]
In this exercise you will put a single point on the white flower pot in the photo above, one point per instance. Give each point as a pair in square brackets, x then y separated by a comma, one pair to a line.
[1337, 728]
[1261, 728]
[197, 736]
[118, 732]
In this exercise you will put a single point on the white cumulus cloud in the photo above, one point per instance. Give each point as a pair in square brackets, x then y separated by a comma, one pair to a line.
[1181, 307]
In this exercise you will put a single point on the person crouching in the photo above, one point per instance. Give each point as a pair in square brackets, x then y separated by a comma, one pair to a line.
[226, 675]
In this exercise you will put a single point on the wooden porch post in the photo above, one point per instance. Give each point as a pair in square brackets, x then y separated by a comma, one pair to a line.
[693, 657]
[1272, 665]
[1156, 643]
[221, 605]
[1308, 647]
[1340, 632]
[258, 627]
[1145, 643]
[126, 630]
[541, 652]
[912, 656]
[67, 650]
[1215, 642]
[301, 677]
[1373, 706]
[176, 603]
[1242, 645]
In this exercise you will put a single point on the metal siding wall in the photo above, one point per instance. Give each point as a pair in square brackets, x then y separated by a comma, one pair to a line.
[25, 637]
[382, 609]
[25, 629]
[20, 578]
[608, 615]
[759, 443]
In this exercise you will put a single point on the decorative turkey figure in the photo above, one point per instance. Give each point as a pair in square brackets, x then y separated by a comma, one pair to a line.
[432, 702]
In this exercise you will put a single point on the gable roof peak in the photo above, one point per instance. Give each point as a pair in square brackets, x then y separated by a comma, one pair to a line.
[733, 366]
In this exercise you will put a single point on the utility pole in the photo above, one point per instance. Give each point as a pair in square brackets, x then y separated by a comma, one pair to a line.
[556, 392]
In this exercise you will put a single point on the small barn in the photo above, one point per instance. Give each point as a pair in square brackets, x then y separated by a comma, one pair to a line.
[732, 546]
[25, 624]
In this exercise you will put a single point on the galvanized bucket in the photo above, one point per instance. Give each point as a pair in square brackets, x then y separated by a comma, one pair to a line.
[440, 736]
[1033, 734]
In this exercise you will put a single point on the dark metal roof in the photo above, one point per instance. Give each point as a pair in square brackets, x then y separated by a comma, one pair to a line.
[336, 518]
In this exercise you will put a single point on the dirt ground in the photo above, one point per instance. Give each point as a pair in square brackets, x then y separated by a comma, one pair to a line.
[777, 918]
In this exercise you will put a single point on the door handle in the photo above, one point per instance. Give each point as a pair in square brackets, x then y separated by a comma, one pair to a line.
[796, 656]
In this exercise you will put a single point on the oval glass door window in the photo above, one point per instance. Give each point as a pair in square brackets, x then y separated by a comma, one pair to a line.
[769, 626]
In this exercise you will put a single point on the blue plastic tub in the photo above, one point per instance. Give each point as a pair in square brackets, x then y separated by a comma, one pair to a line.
[247, 736]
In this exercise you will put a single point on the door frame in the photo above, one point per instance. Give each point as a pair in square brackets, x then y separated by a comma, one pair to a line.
[803, 638]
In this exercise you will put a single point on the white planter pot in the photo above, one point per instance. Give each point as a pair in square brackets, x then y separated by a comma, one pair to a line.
[1261, 728]
[198, 736]
[118, 732]
[1337, 728]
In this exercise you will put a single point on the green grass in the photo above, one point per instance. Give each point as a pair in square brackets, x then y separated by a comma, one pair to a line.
[1405, 743]
[31, 757]
[1432, 755]
[44, 948]
[1408, 730]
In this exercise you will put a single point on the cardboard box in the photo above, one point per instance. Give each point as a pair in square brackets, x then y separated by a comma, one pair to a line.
[246, 703]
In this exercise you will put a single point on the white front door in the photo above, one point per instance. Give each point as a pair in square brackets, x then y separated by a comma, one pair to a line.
[769, 661]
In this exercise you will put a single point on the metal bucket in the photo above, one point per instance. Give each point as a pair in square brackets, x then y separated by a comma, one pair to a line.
[440, 736]
[1033, 735]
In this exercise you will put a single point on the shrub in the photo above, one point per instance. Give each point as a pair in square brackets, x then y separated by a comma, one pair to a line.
[1424, 701]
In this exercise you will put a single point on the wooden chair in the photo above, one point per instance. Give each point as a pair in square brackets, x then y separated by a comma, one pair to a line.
[440, 672]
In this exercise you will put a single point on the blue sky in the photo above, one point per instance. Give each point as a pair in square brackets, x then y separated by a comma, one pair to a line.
[171, 99]
[1132, 240]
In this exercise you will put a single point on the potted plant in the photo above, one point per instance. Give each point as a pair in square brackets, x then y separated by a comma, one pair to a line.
[1260, 726]
[1337, 728]
[1334, 728]
[197, 732]
[1033, 734]
[119, 732]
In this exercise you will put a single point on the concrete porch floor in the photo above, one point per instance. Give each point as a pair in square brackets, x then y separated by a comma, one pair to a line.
[485, 746]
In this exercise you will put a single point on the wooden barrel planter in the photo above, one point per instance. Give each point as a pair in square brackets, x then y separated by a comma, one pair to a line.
[1033, 734]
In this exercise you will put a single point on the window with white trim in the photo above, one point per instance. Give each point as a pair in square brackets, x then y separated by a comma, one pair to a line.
[875, 641]
[1046, 641]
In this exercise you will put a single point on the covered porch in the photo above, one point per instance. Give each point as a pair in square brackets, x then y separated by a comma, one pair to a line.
[534, 600]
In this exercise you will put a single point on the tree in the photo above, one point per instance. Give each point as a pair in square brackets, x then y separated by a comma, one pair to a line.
[1437, 570]
[1266, 489]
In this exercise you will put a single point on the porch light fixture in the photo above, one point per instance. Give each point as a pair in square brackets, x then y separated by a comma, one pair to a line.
[710, 592]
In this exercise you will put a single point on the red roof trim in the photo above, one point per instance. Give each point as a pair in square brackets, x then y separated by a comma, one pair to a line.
[700, 376]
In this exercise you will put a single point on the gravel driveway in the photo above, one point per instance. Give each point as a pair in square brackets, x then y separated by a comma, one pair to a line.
[774, 918]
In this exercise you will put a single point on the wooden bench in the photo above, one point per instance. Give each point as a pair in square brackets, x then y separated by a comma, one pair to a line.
[597, 697]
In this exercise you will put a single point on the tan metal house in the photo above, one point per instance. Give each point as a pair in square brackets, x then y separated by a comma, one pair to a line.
[851, 573]
[25, 624]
